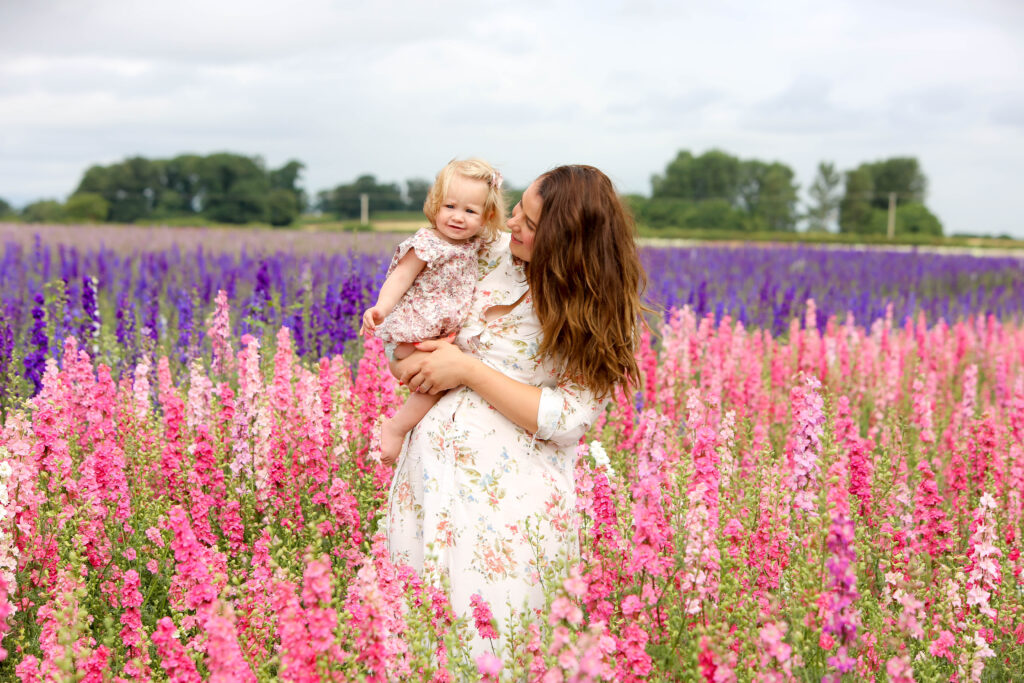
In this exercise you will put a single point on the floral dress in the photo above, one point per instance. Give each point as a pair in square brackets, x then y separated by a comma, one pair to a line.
[477, 502]
[440, 296]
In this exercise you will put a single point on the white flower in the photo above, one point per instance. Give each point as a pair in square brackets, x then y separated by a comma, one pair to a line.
[599, 454]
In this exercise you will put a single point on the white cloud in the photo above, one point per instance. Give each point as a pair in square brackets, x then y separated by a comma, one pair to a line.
[396, 88]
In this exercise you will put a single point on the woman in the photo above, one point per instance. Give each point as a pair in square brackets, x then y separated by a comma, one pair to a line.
[483, 493]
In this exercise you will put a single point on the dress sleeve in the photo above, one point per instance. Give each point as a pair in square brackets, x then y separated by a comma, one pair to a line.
[428, 247]
[566, 412]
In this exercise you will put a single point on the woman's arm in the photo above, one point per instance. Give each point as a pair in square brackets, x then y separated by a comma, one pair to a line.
[446, 367]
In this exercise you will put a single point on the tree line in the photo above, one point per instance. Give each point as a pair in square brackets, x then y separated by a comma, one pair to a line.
[222, 187]
[715, 190]
[719, 191]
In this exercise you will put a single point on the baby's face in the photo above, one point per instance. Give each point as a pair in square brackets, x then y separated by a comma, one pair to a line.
[461, 216]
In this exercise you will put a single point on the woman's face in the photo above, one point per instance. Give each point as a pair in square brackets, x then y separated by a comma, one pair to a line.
[523, 222]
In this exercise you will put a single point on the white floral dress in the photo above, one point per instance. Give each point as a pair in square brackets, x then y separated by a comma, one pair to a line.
[475, 498]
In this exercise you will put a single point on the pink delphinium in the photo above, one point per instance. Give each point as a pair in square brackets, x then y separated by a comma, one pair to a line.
[775, 655]
[376, 605]
[984, 572]
[224, 658]
[482, 617]
[321, 617]
[804, 448]
[934, 529]
[842, 618]
[942, 645]
[200, 395]
[899, 670]
[174, 417]
[651, 531]
[173, 658]
[924, 406]
[193, 581]
[6, 609]
[219, 332]
[701, 557]
[298, 658]
[488, 666]
[133, 635]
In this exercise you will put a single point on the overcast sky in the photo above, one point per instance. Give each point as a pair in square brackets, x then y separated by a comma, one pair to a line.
[398, 87]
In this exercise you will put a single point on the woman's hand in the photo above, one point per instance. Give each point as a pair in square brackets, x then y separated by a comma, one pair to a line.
[444, 367]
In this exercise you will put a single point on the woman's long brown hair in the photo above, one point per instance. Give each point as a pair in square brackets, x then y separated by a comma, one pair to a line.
[586, 279]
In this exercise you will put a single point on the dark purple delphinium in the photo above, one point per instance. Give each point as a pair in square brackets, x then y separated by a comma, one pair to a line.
[350, 307]
[186, 323]
[90, 322]
[125, 332]
[766, 286]
[35, 359]
[6, 349]
[41, 259]
[319, 324]
[296, 326]
[151, 318]
[259, 306]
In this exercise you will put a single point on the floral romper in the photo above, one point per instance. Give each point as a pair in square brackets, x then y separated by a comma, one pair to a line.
[441, 294]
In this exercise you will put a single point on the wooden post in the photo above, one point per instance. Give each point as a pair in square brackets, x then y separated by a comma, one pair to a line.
[364, 209]
[892, 215]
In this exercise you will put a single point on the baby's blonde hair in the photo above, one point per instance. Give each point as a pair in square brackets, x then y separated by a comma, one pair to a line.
[474, 169]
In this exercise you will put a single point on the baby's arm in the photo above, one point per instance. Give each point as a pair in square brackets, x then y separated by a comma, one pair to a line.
[397, 284]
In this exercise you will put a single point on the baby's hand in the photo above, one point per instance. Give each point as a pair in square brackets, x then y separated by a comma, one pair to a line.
[371, 319]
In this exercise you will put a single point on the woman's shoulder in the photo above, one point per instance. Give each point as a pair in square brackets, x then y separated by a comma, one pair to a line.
[495, 254]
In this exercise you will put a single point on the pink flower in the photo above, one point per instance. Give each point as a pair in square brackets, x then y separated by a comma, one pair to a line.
[488, 664]
[574, 585]
[482, 616]
[941, 646]
[564, 608]
[899, 669]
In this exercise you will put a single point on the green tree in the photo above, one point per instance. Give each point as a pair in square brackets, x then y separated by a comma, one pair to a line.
[825, 197]
[416, 190]
[6, 210]
[282, 207]
[758, 195]
[869, 187]
[181, 187]
[713, 175]
[911, 219]
[769, 195]
[87, 206]
[130, 187]
[855, 206]
[901, 175]
[915, 218]
[43, 211]
[344, 200]
[234, 188]
[287, 178]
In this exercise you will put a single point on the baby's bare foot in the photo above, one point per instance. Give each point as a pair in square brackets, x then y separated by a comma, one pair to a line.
[391, 440]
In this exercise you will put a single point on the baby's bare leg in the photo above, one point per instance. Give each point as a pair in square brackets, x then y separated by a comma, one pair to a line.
[393, 431]
[404, 350]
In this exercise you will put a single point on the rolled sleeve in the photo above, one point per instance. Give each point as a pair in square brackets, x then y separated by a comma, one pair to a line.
[566, 412]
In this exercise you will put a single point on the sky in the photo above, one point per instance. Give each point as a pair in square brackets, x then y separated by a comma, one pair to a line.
[396, 88]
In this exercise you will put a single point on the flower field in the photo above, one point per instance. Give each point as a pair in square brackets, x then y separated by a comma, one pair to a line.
[796, 493]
